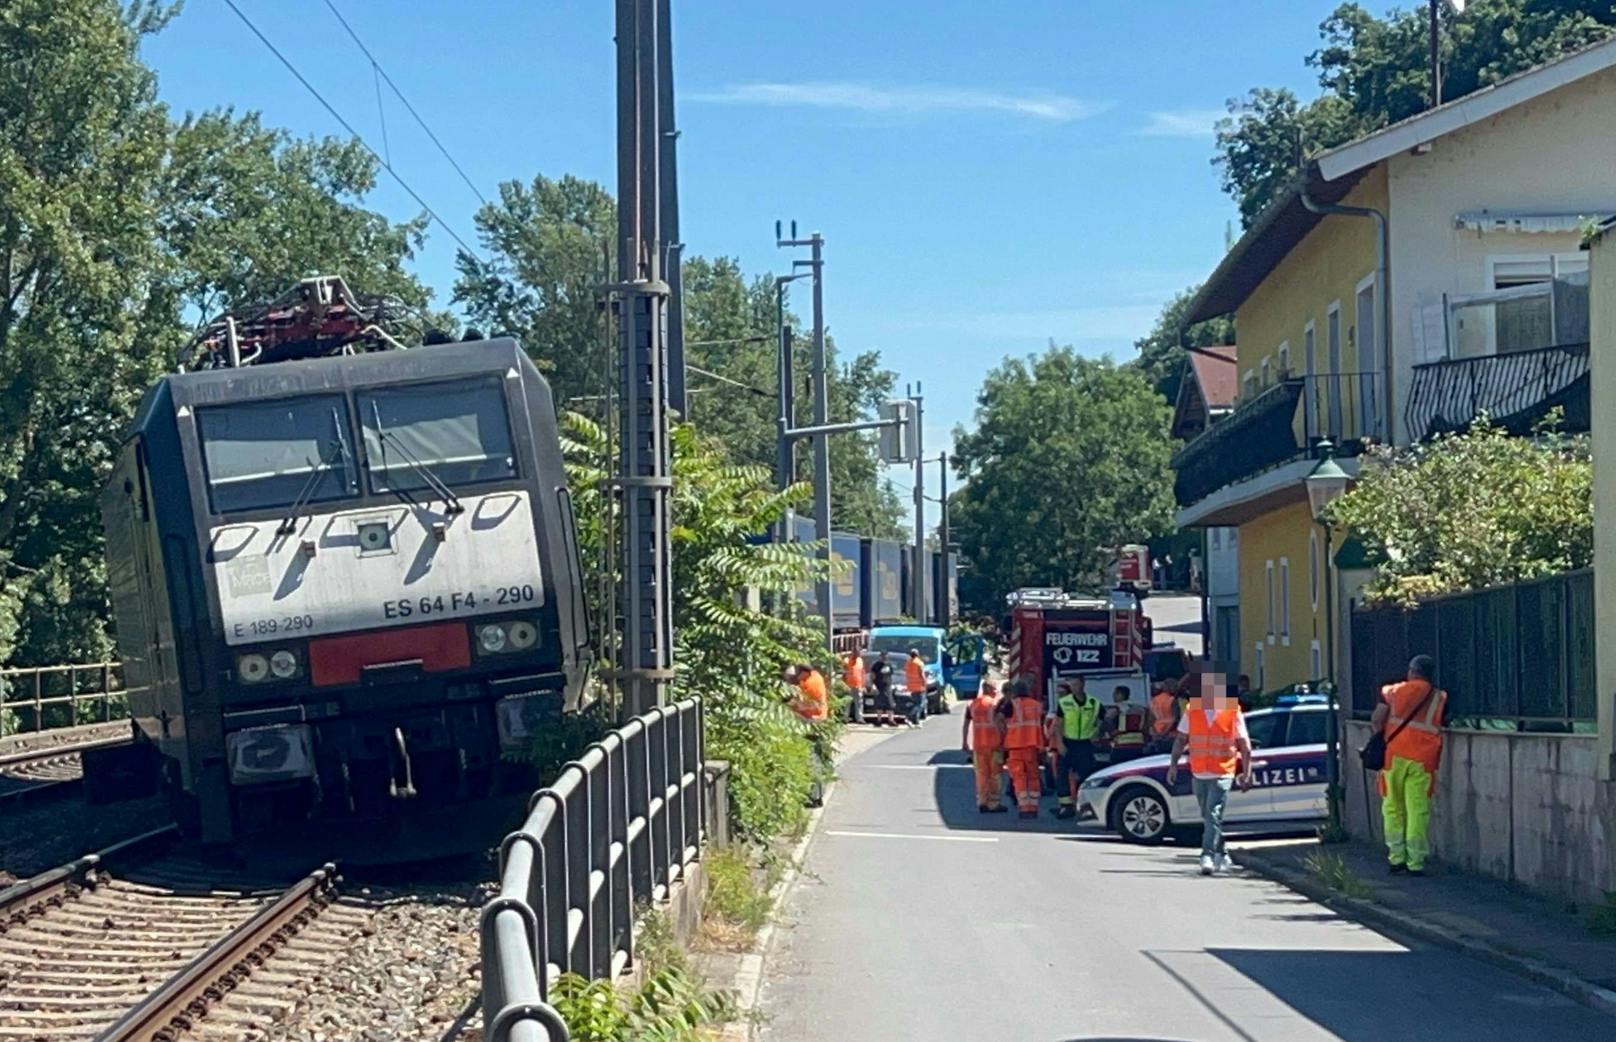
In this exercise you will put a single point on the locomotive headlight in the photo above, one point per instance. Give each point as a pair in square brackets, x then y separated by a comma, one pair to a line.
[283, 664]
[523, 635]
[252, 668]
[491, 638]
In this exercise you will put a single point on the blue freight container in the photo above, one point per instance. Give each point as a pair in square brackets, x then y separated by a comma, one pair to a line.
[883, 582]
[847, 585]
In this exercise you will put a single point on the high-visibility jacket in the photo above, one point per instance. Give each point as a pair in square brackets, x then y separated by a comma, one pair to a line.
[1421, 740]
[813, 700]
[916, 674]
[1079, 721]
[1022, 731]
[1130, 726]
[1213, 749]
[853, 675]
[985, 736]
[1162, 715]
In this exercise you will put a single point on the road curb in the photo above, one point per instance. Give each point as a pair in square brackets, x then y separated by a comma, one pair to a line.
[1380, 917]
[747, 981]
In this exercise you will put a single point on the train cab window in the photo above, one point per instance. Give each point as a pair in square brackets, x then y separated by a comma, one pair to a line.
[262, 455]
[455, 432]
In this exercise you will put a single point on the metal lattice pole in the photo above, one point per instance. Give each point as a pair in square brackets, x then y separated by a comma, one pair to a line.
[645, 466]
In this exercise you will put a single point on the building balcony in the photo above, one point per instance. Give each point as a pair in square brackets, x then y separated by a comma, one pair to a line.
[1515, 389]
[1276, 427]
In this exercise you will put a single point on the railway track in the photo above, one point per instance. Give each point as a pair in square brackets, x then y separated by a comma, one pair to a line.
[33, 776]
[139, 944]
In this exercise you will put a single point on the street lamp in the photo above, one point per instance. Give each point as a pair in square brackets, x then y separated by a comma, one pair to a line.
[1326, 484]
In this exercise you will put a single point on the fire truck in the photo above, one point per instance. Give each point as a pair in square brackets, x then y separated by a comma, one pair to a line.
[1055, 635]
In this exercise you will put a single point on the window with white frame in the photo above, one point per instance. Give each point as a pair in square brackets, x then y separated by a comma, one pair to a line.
[1267, 371]
[1284, 355]
[1248, 385]
[1257, 679]
[1526, 323]
[1268, 571]
[1216, 538]
[1316, 662]
[1313, 569]
[1285, 601]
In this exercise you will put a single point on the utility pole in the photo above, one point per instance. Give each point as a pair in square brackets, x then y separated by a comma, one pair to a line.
[918, 579]
[668, 201]
[785, 471]
[1436, 53]
[816, 266]
[645, 473]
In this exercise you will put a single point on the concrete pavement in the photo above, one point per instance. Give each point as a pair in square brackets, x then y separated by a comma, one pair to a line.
[917, 918]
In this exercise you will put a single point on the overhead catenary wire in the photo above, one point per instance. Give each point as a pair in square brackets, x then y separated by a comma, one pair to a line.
[376, 67]
[430, 212]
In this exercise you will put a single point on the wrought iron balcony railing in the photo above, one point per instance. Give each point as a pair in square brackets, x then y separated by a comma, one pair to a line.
[1515, 390]
[1278, 425]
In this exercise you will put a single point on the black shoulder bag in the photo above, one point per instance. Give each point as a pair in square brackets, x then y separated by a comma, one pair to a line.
[1373, 754]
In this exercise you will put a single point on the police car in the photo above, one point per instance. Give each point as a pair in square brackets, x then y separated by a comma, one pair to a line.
[1134, 800]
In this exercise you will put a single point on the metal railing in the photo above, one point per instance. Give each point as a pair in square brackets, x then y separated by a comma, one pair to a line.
[1279, 424]
[41, 692]
[619, 827]
[1515, 389]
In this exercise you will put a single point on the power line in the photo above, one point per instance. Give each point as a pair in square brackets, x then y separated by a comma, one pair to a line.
[349, 127]
[724, 379]
[376, 66]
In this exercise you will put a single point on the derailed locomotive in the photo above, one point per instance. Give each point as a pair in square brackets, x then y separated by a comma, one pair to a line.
[345, 577]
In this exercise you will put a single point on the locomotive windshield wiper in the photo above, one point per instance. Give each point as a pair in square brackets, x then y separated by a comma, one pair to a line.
[335, 454]
[451, 502]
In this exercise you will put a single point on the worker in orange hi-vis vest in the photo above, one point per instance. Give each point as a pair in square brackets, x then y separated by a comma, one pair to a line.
[914, 672]
[1213, 729]
[983, 738]
[1024, 743]
[853, 676]
[1410, 718]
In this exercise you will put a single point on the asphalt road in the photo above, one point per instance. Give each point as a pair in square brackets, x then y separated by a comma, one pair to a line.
[918, 918]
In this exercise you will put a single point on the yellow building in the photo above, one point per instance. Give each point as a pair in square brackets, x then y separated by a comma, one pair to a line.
[1407, 282]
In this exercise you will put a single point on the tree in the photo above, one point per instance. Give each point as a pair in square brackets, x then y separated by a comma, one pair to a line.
[118, 229]
[1161, 351]
[1376, 71]
[1069, 457]
[729, 653]
[1469, 510]
[549, 245]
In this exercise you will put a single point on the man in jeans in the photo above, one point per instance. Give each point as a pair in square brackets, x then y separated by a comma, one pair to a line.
[1213, 729]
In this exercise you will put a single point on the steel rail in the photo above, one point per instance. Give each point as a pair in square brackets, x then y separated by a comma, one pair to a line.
[19, 900]
[168, 1012]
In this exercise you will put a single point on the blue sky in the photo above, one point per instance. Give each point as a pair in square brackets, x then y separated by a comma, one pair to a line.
[987, 176]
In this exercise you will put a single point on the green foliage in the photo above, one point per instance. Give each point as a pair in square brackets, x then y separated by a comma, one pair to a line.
[1069, 456]
[1161, 351]
[730, 653]
[118, 227]
[669, 1007]
[739, 894]
[549, 247]
[1333, 871]
[1376, 71]
[1470, 510]
[1601, 919]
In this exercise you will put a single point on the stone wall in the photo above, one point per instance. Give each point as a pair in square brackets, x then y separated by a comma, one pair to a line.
[1520, 807]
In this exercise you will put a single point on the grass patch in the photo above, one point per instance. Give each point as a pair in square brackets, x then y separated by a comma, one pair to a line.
[671, 1006]
[1332, 870]
[1601, 919]
[739, 898]
[656, 946]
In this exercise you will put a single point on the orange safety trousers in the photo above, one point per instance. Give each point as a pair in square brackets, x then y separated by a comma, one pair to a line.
[989, 767]
[1024, 772]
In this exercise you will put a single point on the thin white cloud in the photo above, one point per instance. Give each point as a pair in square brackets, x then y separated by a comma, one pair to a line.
[1182, 123]
[915, 100]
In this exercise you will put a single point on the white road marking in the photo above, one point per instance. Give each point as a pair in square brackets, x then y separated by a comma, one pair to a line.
[911, 835]
[914, 766]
